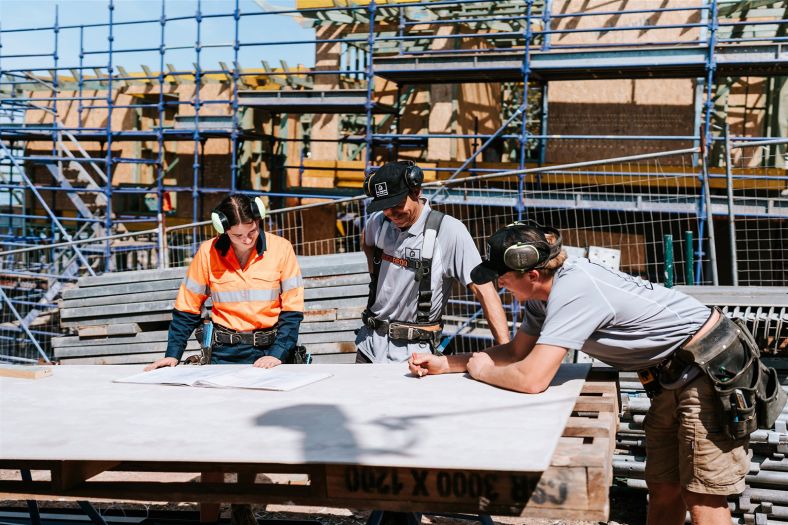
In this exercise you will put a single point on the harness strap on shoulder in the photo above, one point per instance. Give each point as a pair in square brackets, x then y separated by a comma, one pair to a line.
[422, 277]
[377, 258]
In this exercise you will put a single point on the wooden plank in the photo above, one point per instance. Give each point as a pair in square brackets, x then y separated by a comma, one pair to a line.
[329, 337]
[69, 474]
[107, 330]
[25, 371]
[351, 313]
[317, 316]
[120, 289]
[331, 326]
[136, 318]
[328, 304]
[334, 359]
[331, 348]
[337, 280]
[145, 337]
[128, 298]
[131, 359]
[118, 350]
[357, 290]
[119, 310]
[131, 277]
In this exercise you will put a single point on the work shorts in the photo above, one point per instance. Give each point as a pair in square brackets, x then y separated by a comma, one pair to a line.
[686, 442]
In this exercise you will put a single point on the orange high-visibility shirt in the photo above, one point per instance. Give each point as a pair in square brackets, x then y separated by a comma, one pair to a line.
[247, 298]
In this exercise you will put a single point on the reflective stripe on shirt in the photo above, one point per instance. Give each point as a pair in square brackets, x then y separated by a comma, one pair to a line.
[293, 282]
[244, 296]
[196, 287]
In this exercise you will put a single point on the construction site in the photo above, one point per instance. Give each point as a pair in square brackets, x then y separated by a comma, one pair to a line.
[653, 134]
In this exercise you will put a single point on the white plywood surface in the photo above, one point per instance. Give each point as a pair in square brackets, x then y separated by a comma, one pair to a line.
[377, 415]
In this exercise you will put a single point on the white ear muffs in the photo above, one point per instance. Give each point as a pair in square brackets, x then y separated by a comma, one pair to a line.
[220, 222]
[257, 206]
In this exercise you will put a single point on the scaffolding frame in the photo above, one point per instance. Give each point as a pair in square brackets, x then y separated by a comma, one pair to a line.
[524, 52]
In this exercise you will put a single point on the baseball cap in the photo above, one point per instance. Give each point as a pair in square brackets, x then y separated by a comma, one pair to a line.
[495, 263]
[387, 186]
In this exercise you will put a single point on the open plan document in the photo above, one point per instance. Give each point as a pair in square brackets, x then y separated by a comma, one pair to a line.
[222, 376]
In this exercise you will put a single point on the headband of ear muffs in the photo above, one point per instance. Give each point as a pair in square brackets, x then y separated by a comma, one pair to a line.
[221, 223]
[524, 256]
[413, 177]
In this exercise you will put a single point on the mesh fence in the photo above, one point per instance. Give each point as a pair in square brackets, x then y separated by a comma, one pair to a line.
[619, 212]
[757, 223]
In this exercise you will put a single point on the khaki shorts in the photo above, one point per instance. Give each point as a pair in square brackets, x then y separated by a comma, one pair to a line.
[686, 442]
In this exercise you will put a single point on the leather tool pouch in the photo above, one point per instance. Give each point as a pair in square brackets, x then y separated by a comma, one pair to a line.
[206, 344]
[298, 356]
[749, 392]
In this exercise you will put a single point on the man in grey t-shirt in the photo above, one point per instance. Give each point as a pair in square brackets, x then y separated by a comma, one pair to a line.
[631, 324]
[419, 252]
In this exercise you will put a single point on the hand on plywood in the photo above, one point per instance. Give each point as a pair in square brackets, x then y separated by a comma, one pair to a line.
[165, 361]
[427, 364]
[267, 361]
[478, 363]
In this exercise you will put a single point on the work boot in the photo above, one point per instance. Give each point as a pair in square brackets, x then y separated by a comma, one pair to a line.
[241, 514]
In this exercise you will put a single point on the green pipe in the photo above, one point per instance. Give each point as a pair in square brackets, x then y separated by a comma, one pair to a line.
[667, 241]
[689, 256]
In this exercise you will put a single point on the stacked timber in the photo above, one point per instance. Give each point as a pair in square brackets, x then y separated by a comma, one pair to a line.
[122, 318]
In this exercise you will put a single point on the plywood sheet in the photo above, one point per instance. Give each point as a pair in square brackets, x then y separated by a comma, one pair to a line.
[375, 415]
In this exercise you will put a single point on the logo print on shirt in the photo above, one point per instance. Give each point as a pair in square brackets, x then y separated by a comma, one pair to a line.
[381, 189]
[412, 253]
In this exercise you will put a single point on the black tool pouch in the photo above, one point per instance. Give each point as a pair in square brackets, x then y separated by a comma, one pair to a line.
[749, 392]
[298, 356]
[206, 347]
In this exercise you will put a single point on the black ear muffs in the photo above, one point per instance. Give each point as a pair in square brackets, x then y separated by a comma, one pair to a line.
[414, 176]
[368, 185]
[221, 223]
[524, 256]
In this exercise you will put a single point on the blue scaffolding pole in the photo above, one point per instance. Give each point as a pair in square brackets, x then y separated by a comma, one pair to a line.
[705, 218]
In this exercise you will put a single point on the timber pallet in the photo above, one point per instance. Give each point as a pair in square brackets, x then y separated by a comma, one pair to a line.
[122, 318]
[576, 486]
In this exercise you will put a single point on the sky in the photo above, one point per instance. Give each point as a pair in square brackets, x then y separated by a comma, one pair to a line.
[40, 14]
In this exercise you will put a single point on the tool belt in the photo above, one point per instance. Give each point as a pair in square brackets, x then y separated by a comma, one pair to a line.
[749, 392]
[399, 331]
[262, 338]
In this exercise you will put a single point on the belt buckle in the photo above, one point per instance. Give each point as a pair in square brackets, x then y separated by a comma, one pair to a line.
[235, 339]
[393, 330]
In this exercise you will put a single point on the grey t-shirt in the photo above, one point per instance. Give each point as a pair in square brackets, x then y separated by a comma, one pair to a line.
[454, 256]
[624, 321]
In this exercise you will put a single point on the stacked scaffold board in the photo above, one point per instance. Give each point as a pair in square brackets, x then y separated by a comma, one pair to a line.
[122, 318]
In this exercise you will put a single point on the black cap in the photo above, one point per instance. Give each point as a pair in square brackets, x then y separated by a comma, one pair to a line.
[528, 233]
[387, 186]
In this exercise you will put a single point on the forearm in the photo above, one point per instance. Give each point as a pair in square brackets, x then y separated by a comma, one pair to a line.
[530, 375]
[493, 311]
[511, 377]
[500, 354]
[181, 328]
[286, 334]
